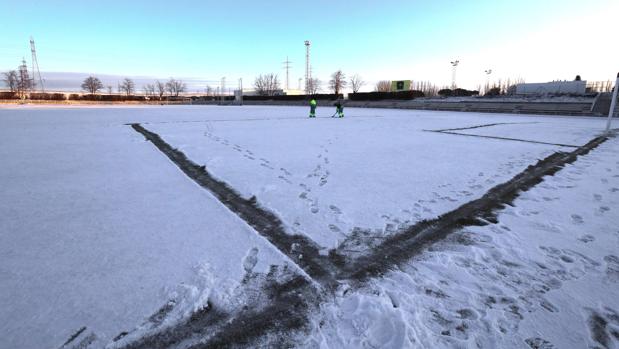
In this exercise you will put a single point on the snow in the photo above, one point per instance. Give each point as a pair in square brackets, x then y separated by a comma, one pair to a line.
[100, 229]
[322, 176]
[538, 276]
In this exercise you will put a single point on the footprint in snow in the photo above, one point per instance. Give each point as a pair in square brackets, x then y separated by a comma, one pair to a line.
[250, 260]
[577, 219]
[612, 268]
[538, 343]
[284, 179]
[334, 228]
[586, 238]
[335, 209]
[323, 181]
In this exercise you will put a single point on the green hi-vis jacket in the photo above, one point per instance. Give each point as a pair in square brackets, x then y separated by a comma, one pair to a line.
[313, 103]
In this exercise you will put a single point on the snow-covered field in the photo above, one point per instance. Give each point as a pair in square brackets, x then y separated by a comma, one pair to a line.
[99, 229]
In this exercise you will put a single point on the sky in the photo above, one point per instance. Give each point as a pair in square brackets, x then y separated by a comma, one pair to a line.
[203, 41]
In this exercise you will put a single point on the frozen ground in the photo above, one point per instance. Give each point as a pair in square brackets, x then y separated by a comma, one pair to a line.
[100, 229]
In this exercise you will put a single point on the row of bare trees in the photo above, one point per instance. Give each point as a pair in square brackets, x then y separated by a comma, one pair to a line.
[174, 87]
[268, 84]
[18, 81]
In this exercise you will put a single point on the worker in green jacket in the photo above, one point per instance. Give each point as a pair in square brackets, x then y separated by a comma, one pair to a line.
[312, 108]
[339, 109]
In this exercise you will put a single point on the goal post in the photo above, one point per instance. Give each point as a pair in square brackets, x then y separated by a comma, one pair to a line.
[613, 104]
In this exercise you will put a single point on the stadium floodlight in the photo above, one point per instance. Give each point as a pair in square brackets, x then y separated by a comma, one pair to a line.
[613, 104]
[488, 72]
[454, 64]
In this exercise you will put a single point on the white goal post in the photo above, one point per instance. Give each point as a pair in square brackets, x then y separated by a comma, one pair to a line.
[613, 104]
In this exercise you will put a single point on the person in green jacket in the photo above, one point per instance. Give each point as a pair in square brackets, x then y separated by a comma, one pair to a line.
[339, 109]
[312, 108]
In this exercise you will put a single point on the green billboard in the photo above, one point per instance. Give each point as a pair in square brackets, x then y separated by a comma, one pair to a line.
[400, 85]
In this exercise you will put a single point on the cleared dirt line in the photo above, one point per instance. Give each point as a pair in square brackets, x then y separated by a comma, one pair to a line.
[299, 248]
[402, 246]
[504, 138]
[483, 125]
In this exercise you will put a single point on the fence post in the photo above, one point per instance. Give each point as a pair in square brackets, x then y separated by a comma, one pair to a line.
[613, 104]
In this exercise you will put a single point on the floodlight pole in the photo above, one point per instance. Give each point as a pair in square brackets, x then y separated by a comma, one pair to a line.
[613, 104]
[488, 72]
[454, 64]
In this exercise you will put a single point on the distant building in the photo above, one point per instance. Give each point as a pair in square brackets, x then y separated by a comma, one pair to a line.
[400, 85]
[576, 87]
[292, 91]
[278, 92]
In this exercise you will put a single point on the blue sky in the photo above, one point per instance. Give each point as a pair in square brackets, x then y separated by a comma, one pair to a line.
[535, 40]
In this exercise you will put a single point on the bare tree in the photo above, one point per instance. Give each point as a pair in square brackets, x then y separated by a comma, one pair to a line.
[383, 86]
[127, 86]
[337, 82]
[209, 90]
[11, 79]
[175, 87]
[267, 84]
[313, 86]
[356, 82]
[149, 89]
[160, 87]
[92, 85]
[24, 83]
[109, 89]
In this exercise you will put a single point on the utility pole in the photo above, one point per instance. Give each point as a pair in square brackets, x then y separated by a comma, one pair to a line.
[308, 73]
[287, 67]
[613, 105]
[35, 66]
[454, 64]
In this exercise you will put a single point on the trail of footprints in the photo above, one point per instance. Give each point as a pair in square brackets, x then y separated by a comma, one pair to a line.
[318, 177]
